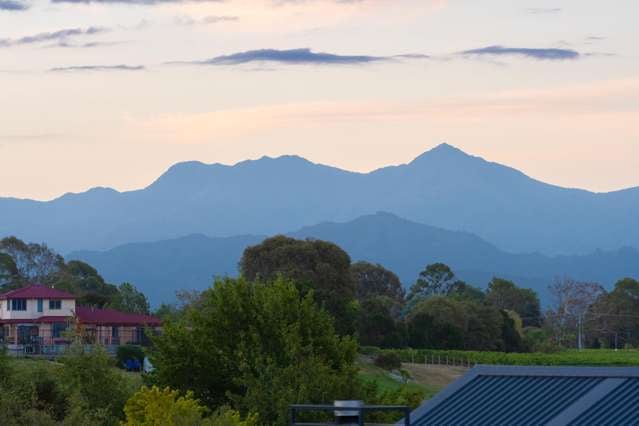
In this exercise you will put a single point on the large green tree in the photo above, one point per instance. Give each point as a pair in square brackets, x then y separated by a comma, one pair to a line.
[129, 299]
[34, 262]
[374, 280]
[614, 317]
[506, 295]
[258, 347]
[436, 279]
[313, 265]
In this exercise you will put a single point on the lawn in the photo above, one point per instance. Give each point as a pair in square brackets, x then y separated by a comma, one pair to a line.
[371, 373]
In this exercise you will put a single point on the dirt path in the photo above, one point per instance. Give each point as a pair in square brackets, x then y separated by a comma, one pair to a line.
[436, 376]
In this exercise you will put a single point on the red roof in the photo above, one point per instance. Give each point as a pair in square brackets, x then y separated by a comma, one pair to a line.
[88, 315]
[36, 291]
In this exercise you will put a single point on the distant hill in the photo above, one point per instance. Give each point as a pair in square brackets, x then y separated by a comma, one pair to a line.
[443, 187]
[160, 268]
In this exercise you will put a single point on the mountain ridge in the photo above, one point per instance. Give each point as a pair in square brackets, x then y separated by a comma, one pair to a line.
[444, 187]
[159, 268]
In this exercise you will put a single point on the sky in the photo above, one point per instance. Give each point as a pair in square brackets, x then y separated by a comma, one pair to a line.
[113, 92]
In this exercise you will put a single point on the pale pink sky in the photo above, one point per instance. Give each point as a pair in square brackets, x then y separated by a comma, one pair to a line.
[571, 119]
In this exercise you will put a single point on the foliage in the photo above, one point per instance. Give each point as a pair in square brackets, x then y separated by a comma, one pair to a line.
[313, 265]
[437, 322]
[125, 352]
[283, 350]
[571, 302]
[227, 417]
[388, 361]
[587, 357]
[505, 295]
[155, 406]
[129, 299]
[614, 317]
[461, 291]
[376, 323]
[32, 262]
[373, 280]
[435, 279]
[91, 379]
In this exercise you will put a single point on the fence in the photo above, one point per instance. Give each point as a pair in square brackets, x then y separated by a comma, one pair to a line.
[49, 351]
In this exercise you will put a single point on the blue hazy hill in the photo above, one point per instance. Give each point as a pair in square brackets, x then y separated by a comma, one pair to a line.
[443, 187]
[159, 268]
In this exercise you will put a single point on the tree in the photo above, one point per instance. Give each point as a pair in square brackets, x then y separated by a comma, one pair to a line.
[374, 280]
[459, 290]
[34, 262]
[435, 280]
[614, 316]
[313, 265]
[376, 324]
[257, 346]
[483, 327]
[437, 323]
[95, 387]
[571, 302]
[8, 270]
[129, 299]
[504, 294]
[84, 281]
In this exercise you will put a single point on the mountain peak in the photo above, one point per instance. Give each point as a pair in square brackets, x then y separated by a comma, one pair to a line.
[443, 151]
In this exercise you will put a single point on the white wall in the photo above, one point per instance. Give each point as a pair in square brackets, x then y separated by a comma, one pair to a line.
[68, 308]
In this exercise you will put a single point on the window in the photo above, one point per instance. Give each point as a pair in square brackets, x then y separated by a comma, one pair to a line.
[39, 305]
[58, 328]
[55, 304]
[18, 304]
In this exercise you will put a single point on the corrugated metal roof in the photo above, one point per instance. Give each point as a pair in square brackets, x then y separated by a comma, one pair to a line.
[619, 407]
[36, 291]
[518, 396]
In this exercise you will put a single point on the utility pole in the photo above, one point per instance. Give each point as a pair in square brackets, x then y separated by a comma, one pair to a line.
[579, 333]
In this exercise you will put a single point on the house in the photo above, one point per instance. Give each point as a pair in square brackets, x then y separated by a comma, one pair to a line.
[35, 318]
[553, 396]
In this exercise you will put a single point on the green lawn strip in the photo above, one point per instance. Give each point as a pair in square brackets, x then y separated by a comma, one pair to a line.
[589, 357]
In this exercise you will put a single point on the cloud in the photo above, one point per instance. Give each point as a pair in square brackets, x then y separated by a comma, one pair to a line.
[13, 5]
[99, 68]
[291, 56]
[207, 20]
[535, 53]
[60, 35]
[544, 10]
[136, 2]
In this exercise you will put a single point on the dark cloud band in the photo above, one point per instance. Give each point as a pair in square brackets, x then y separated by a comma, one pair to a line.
[60, 35]
[543, 54]
[292, 56]
[99, 68]
[13, 5]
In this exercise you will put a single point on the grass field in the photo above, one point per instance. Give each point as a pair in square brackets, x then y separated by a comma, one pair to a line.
[588, 357]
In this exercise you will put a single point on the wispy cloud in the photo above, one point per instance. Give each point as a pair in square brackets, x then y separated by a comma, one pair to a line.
[292, 56]
[137, 2]
[59, 36]
[535, 53]
[302, 56]
[120, 67]
[207, 20]
[13, 5]
[544, 10]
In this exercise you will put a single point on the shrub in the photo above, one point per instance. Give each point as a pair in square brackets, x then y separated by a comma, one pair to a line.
[95, 386]
[388, 361]
[155, 406]
[126, 352]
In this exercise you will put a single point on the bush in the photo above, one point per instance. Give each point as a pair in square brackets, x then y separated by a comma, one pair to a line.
[388, 361]
[97, 389]
[155, 406]
[126, 352]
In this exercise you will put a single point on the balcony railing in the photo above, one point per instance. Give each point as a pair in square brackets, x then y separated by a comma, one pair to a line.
[359, 412]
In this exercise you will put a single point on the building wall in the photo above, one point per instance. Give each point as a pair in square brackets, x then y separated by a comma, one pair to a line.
[68, 309]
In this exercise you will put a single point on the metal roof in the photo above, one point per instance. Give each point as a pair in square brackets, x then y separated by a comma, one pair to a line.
[553, 396]
[36, 291]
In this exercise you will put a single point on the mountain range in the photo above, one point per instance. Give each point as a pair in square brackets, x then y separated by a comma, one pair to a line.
[444, 187]
[159, 268]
